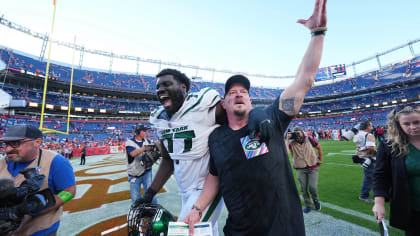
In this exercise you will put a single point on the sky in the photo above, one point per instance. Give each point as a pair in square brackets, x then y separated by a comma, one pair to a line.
[243, 36]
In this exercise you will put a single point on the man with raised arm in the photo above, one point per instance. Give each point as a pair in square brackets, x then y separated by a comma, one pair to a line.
[251, 170]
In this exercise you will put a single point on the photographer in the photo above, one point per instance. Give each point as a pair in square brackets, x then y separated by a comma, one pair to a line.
[138, 171]
[366, 151]
[22, 145]
[306, 163]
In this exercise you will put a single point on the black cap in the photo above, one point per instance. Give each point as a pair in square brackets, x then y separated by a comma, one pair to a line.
[19, 132]
[241, 79]
[141, 128]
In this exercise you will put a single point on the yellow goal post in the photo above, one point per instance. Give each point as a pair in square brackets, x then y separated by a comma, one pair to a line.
[41, 123]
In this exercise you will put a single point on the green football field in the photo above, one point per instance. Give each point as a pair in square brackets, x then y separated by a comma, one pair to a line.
[340, 183]
[102, 199]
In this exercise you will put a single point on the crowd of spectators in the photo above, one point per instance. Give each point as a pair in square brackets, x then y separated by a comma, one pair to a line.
[390, 74]
[100, 133]
[347, 103]
[337, 122]
[81, 132]
[387, 75]
[62, 99]
[94, 133]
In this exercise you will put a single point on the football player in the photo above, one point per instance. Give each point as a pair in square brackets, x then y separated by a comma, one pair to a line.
[183, 123]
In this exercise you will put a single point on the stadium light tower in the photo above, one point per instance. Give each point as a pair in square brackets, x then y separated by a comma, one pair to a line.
[379, 62]
[43, 47]
[82, 52]
[137, 66]
[354, 68]
[410, 46]
[111, 59]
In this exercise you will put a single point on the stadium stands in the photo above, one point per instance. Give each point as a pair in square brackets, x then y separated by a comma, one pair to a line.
[80, 131]
[354, 98]
[390, 74]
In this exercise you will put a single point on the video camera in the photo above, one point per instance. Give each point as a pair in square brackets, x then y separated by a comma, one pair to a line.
[15, 202]
[150, 156]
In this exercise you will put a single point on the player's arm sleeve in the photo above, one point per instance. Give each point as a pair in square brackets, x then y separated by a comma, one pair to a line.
[210, 100]
[210, 97]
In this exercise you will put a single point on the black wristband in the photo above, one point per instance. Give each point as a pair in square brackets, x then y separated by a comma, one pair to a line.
[316, 33]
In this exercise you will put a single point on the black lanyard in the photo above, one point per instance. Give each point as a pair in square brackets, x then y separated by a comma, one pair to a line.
[39, 158]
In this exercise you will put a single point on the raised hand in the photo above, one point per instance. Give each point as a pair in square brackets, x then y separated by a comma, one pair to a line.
[318, 18]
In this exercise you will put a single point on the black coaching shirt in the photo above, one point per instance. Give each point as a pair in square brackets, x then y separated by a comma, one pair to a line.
[260, 193]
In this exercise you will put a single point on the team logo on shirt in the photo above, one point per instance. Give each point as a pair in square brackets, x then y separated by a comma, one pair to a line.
[253, 144]
[253, 147]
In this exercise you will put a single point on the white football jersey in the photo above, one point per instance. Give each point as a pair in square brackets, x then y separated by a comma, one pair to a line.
[186, 134]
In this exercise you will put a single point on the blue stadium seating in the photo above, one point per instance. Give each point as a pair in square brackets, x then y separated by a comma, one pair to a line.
[402, 71]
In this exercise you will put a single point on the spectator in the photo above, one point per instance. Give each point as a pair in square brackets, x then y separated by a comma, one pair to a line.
[380, 133]
[70, 152]
[83, 155]
[397, 175]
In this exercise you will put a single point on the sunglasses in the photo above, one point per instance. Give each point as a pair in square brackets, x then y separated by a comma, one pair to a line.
[15, 144]
[407, 107]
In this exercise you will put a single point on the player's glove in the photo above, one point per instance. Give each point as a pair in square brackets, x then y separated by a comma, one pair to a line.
[260, 124]
[146, 198]
[366, 163]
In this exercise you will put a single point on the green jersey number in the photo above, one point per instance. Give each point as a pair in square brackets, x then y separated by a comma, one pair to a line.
[186, 135]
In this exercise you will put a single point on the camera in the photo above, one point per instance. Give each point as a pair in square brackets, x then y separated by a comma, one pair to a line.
[294, 135]
[149, 157]
[15, 202]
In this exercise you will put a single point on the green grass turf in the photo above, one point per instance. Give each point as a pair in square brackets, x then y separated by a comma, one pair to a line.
[340, 181]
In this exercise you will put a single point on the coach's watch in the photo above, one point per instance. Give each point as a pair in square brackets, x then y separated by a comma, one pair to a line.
[194, 207]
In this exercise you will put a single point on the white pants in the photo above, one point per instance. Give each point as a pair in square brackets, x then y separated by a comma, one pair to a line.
[188, 200]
